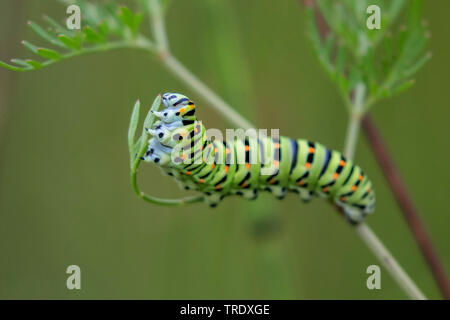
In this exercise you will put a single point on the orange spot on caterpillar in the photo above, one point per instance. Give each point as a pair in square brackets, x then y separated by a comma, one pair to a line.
[354, 188]
[201, 181]
[183, 133]
[276, 163]
[218, 187]
[182, 110]
[247, 165]
[216, 150]
[213, 166]
[227, 151]
[247, 148]
[188, 173]
[311, 150]
[325, 189]
[227, 168]
[244, 184]
[301, 182]
[335, 175]
[360, 177]
[276, 145]
[342, 163]
[272, 181]
[308, 165]
[343, 199]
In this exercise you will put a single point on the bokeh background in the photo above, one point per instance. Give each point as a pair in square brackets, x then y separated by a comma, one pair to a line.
[65, 196]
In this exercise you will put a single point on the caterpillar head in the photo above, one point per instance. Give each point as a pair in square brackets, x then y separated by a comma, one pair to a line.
[157, 153]
[160, 132]
[178, 108]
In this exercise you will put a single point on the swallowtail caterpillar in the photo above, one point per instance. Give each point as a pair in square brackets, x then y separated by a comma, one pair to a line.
[180, 146]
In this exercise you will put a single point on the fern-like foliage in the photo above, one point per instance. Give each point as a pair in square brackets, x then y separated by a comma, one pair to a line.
[105, 26]
[384, 60]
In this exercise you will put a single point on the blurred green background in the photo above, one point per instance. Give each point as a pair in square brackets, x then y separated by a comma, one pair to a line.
[65, 196]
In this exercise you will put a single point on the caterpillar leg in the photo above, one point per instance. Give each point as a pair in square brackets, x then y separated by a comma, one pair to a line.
[278, 191]
[305, 194]
[353, 214]
[249, 194]
[213, 199]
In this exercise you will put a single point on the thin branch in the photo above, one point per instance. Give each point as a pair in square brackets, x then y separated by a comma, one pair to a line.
[406, 204]
[354, 121]
[396, 271]
[158, 26]
[362, 229]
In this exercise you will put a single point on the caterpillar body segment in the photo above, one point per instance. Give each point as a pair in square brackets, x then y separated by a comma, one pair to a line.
[245, 166]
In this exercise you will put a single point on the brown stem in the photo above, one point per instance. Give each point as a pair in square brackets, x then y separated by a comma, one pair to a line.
[407, 206]
[397, 186]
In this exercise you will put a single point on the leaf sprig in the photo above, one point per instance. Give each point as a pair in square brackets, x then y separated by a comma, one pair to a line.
[137, 150]
[385, 60]
[105, 27]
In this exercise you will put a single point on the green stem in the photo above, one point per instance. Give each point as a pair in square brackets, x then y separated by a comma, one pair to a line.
[160, 201]
[354, 121]
[363, 230]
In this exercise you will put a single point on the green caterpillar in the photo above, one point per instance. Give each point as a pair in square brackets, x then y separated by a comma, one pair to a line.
[239, 166]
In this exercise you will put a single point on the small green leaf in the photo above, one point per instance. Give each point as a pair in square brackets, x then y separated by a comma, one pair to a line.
[34, 64]
[58, 28]
[148, 123]
[44, 34]
[127, 16]
[69, 42]
[31, 47]
[92, 36]
[135, 149]
[103, 29]
[419, 64]
[132, 127]
[149, 118]
[402, 87]
[10, 67]
[20, 62]
[130, 19]
[49, 53]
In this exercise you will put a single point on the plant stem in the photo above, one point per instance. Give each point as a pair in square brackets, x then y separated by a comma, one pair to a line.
[160, 201]
[389, 262]
[363, 230]
[158, 26]
[354, 121]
